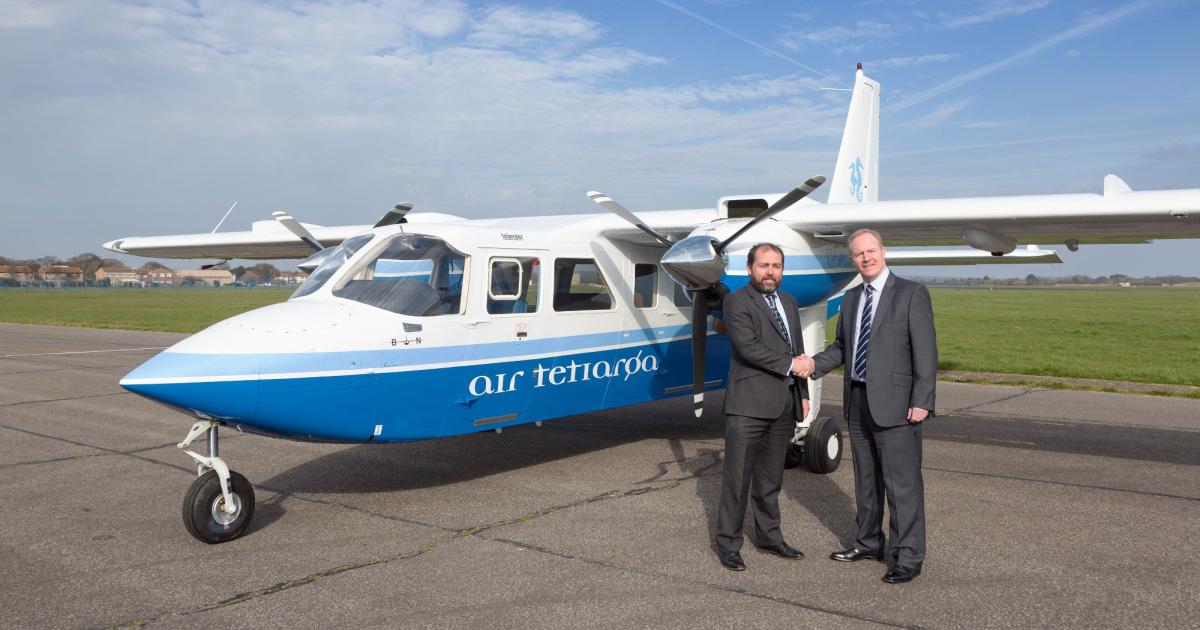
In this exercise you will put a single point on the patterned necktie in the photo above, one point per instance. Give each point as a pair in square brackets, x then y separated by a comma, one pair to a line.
[864, 337]
[779, 319]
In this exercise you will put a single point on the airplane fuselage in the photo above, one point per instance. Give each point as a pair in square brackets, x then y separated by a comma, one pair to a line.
[594, 324]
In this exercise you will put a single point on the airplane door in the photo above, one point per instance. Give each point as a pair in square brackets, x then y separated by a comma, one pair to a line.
[503, 326]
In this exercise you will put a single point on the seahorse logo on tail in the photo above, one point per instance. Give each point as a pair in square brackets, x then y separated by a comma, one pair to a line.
[856, 179]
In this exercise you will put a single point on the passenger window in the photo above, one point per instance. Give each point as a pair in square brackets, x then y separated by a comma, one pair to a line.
[579, 286]
[681, 297]
[645, 285]
[413, 275]
[513, 285]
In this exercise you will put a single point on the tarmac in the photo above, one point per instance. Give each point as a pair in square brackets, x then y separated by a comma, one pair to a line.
[1046, 508]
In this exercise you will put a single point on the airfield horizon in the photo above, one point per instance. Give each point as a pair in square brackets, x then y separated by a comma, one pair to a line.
[1065, 337]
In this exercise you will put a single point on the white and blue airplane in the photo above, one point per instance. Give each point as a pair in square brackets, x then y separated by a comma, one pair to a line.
[483, 324]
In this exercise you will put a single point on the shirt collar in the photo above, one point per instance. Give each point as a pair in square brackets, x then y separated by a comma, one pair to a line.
[880, 280]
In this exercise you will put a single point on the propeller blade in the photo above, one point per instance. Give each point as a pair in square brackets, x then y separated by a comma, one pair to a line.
[699, 341]
[607, 203]
[797, 194]
[395, 215]
[300, 231]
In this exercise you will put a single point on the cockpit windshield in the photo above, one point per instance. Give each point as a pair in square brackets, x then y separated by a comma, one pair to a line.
[413, 274]
[333, 262]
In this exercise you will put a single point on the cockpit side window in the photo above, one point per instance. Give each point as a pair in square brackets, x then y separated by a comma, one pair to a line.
[333, 262]
[413, 274]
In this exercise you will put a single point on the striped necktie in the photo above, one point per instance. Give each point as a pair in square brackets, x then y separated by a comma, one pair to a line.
[864, 336]
[779, 319]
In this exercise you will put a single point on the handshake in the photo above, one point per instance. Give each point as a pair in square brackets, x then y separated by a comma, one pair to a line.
[803, 366]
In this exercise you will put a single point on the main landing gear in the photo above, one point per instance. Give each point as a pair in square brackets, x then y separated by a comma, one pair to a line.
[218, 506]
[819, 448]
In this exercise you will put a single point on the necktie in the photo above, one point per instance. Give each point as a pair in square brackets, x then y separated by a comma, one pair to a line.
[864, 336]
[779, 319]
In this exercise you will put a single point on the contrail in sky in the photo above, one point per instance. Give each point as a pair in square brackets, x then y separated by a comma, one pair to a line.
[770, 51]
[1083, 28]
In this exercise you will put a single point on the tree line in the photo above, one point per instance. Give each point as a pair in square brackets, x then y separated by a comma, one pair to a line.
[89, 263]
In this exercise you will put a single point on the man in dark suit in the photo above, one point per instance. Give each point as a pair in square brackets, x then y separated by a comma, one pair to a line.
[763, 401]
[885, 339]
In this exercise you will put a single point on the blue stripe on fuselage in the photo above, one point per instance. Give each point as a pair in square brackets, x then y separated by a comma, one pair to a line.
[422, 404]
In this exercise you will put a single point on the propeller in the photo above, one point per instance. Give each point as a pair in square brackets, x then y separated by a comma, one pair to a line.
[395, 215]
[697, 262]
[293, 226]
[607, 203]
[782, 203]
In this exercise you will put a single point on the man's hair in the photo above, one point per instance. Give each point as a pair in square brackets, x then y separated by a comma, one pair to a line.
[859, 232]
[754, 250]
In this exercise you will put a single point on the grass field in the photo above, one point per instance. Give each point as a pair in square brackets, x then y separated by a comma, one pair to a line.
[1147, 335]
[170, 310]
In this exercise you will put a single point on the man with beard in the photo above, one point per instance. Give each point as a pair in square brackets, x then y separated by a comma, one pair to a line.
[763, 402]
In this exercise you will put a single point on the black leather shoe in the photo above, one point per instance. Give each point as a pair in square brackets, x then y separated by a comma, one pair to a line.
[900, 574]
[732, 560]
[852, 554]
[783, 550]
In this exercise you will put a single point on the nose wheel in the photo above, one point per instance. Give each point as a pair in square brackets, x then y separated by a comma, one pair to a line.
[219, 504]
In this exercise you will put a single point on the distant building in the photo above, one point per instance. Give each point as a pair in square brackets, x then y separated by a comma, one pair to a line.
[156, 277]
[61, 275]
[119, 277]
[210, 277]
[290, 277]
[16, 273]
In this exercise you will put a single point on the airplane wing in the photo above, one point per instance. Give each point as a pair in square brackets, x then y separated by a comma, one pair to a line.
[1118, 216]
[266, 240]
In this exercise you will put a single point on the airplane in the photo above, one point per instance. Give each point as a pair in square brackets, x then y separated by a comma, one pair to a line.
[430, 325]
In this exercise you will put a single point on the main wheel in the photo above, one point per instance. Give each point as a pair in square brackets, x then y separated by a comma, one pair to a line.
[204, 515]
[823, 446]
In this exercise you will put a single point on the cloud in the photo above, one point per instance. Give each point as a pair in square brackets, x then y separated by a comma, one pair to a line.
[997, 10]
[162, 115]
[863, 29]
[939, 116]
[512, 26]
[905, 62]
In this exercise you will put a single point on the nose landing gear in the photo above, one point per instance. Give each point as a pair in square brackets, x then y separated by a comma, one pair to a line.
[219, 504]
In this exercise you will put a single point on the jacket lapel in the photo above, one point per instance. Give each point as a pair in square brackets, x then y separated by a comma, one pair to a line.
[761, 301]
[850, 315]
[881, 311]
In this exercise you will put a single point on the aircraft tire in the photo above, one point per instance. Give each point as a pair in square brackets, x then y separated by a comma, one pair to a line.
[202, 515]
[823, 446]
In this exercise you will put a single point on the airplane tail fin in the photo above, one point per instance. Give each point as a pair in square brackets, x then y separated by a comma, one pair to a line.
[856, 176]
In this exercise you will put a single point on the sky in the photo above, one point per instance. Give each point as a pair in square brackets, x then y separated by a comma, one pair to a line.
[135, 118]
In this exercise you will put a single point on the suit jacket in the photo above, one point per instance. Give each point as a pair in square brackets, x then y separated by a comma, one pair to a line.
[760, 357]
[902, 352]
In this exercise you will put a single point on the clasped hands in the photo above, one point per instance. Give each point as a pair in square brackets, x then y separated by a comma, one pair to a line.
[803, 366]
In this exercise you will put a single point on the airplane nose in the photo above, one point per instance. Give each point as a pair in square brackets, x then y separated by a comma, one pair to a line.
[220, 386]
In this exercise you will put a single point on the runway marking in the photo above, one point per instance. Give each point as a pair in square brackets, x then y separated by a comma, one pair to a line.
[48, 354]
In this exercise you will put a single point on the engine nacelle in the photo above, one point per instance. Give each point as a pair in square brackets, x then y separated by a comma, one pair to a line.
[997, 244]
